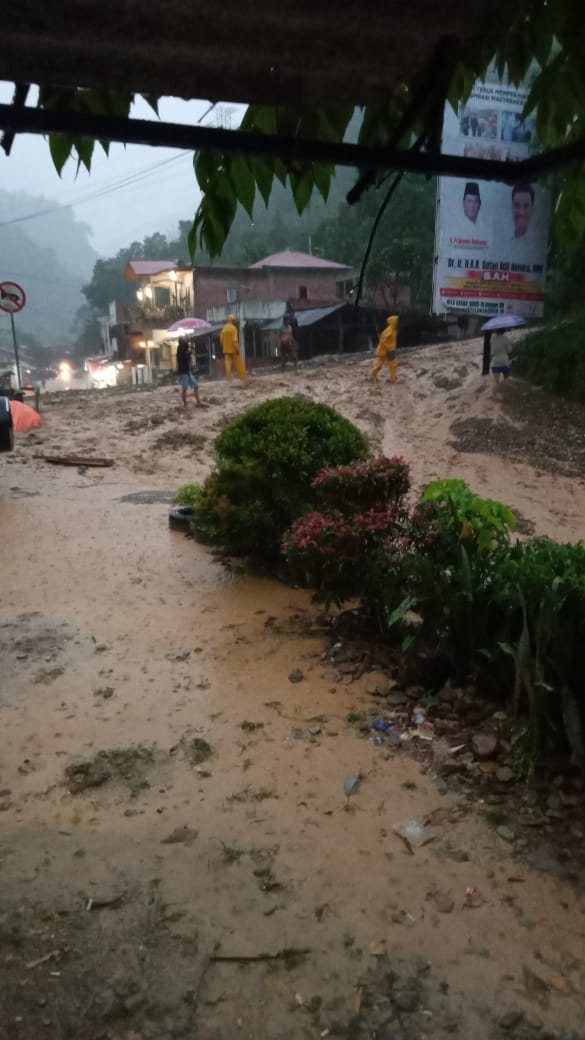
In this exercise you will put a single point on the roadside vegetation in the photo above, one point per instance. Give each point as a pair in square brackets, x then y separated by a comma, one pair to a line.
[443, 581]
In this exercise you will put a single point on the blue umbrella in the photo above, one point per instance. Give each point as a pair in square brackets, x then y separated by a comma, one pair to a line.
[505, 321]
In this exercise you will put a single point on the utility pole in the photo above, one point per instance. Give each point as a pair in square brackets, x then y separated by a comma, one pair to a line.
[15, 345]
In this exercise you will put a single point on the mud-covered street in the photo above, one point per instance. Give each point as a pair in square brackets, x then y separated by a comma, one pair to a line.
[178, 857]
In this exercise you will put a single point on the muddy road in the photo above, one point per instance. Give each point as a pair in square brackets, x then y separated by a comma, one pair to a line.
[178, 857]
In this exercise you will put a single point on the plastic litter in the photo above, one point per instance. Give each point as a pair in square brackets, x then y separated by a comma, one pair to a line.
[382, 726]
[419, 719]
[351, 783]
[413, 833]
[378, 741]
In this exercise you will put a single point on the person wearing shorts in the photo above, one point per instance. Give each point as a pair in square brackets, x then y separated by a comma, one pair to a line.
[500, 357]
[186, 378]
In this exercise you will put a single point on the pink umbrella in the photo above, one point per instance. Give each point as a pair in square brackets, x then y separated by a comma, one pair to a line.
[188, 325]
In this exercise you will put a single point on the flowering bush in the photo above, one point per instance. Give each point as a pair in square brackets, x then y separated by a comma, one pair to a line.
[363, 485]
[329, 550]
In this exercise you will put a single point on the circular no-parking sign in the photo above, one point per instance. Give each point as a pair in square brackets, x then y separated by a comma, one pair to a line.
[12, 297]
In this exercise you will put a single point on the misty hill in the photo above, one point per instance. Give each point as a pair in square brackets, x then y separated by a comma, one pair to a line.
[51, 257]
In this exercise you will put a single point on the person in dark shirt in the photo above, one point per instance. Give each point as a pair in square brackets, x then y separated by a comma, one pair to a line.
[186, 377]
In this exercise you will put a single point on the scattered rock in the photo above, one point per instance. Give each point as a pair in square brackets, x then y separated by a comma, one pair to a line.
[198, 751]
[554, 802]
[506, 833]
[105, 900]
[562, 984]
[535, 986]
[406, 995]
[484, 745]
[5, 792]
[296, 676]
[104, 691]
[447, 695]
[505, 775]
[444, 903]
[82, 775]
[178, 655]
[181, 836]
[510, 1020]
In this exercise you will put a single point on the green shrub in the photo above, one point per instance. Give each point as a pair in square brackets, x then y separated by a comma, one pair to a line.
[267, 459]
[538, 607]
[481, 523]
[554, 358]
[187, 494]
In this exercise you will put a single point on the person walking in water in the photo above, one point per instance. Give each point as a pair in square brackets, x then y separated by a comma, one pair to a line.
[231, 350]
[386, 351]
[500, 359]
[186, 377]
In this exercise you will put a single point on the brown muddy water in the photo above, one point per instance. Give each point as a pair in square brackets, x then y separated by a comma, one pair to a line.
[214, 881]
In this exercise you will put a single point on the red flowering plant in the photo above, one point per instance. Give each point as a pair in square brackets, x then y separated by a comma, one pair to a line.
[367, 484]
[364, 509]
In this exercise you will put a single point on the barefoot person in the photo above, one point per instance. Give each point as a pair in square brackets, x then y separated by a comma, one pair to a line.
[500, 357]
[186, 377]
[386, 351]
[289, 350]
[231, 350]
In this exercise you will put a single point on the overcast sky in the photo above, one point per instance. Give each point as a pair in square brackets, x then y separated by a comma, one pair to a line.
[164, 193]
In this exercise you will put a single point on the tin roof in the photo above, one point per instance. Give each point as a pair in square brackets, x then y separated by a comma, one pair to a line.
[136, 268]
[304, 318]
[300, 261]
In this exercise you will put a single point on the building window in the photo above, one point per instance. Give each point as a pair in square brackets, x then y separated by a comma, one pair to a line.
[231, 295]
[162, 296]
[302, 292]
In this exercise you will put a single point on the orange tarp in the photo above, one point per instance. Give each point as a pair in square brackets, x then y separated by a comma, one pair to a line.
[24, 417]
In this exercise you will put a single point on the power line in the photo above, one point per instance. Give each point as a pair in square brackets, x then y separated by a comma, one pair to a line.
[119, 185]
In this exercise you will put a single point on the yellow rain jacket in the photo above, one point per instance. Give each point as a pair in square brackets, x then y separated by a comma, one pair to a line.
[387, 341]
[229, 337]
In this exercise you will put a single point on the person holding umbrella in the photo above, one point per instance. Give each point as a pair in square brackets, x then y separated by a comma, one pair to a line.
[186, 377]
[501, 356]
[497, 349]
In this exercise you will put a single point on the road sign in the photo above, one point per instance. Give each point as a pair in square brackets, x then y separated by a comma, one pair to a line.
[12, 297]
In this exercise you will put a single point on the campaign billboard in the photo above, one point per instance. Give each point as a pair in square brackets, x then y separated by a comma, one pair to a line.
[491, 239]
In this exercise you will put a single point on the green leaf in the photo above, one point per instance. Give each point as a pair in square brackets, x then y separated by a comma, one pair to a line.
[60, 146]
[264, 173]
[322, 176]
[400, 611]
[84, 147]
[152, 100]
[244, 183]
[206, 166]
[302, 188]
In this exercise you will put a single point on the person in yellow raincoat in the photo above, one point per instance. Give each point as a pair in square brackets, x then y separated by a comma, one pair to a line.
[386, 350]
[231, 349]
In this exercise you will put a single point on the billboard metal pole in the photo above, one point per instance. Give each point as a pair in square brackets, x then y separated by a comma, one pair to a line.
[15, 344]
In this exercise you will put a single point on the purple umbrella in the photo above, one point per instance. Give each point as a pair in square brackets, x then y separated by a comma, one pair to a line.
[188, 325]
[505, 321]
